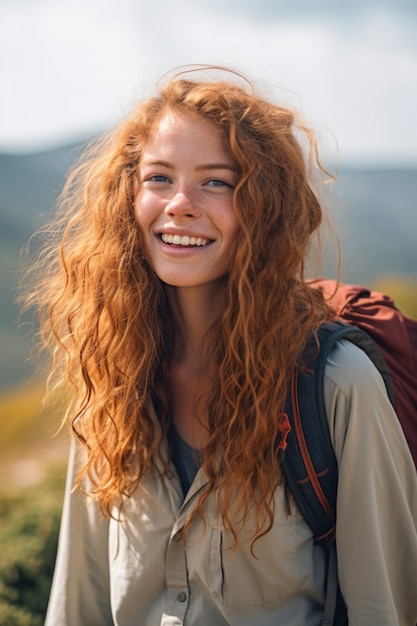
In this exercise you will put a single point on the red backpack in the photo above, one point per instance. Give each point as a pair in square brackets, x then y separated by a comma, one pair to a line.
[394, 333]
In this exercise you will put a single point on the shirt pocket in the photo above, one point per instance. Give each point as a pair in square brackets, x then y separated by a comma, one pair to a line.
[277, 567]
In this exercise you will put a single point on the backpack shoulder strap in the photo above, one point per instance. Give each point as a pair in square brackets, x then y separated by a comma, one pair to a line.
[309, 463]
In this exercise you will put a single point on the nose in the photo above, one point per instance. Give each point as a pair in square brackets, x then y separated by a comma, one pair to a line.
[181, 205]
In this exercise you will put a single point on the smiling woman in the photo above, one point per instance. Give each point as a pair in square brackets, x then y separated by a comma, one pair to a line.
[184, 205]
[174, 299]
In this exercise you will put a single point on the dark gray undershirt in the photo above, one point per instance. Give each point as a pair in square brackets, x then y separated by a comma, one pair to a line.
[187, 460]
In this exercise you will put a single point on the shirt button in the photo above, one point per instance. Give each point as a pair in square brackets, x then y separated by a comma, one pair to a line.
[181, 596]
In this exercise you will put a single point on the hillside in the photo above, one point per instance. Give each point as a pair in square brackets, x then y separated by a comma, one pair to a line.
[374, 212]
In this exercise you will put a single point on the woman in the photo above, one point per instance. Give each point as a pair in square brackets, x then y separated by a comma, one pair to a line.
[176, 304]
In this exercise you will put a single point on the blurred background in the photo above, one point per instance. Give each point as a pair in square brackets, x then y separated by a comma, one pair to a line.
[70, 70]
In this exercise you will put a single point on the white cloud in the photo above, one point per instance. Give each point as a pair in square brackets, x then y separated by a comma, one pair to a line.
[67, 66]
[74, 68]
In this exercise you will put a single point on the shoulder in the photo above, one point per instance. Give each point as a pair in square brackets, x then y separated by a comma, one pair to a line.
[350, 369]
[355, 396]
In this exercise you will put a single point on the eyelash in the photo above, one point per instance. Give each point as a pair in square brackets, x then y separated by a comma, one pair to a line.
[214, 182]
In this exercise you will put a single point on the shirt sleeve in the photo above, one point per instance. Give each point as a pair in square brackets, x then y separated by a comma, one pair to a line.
[80, 592]
[376, 534]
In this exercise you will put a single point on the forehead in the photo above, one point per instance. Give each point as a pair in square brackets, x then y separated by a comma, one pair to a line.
[171, 120]
[184, 130]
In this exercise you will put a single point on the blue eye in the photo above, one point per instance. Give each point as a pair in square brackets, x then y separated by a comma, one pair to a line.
[218, 183]
[158, 178]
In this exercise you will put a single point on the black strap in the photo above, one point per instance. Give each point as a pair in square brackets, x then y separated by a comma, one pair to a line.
[332, 588]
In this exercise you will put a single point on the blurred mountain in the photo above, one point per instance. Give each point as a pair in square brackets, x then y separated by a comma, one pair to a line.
[375, 217]
[374, 211]
[29, 186]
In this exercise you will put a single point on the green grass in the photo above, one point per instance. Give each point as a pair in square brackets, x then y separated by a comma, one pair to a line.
[29, 526]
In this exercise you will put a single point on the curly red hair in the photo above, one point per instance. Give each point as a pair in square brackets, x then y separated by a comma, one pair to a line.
[106, 318]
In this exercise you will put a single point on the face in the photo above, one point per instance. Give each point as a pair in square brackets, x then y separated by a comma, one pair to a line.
[184, 206]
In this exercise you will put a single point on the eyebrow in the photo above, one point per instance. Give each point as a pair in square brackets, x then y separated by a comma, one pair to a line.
[199, 168]
[216, 166]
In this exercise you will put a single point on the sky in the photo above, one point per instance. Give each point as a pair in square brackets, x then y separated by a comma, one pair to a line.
[70, 69]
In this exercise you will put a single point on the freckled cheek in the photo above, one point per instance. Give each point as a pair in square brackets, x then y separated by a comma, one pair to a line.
[143, 212]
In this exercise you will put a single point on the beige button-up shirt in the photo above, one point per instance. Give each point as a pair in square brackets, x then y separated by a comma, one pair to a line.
[141, 571]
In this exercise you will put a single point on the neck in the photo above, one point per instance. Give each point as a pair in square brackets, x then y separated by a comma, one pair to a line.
[191, 366]
[194, 310]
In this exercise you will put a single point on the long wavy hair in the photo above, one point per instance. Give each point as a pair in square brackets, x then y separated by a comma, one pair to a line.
[105, 316]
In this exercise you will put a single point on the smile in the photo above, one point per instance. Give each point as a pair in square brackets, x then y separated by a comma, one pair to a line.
[184, 240]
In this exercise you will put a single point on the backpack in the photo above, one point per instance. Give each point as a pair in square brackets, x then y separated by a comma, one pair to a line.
[370, 320]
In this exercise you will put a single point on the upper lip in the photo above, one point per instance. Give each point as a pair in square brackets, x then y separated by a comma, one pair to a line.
[182, 233]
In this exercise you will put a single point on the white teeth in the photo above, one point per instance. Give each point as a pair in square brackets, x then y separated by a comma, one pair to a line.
[183, 240]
